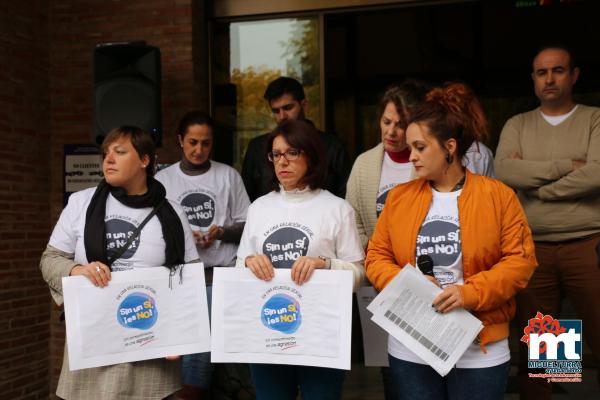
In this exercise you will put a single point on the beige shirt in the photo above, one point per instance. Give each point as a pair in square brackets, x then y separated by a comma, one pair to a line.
[560, 203]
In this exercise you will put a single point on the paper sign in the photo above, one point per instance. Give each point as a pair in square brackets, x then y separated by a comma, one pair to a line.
[375, 339]
[279, 322]
[136, 317]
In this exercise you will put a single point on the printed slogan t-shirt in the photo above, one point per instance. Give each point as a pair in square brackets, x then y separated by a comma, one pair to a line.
[392, 174]
[217, 197]
[147, 250]
[282, 230]
[439, 238]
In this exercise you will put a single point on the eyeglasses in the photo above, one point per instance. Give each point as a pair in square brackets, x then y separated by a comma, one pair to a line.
[290, 155]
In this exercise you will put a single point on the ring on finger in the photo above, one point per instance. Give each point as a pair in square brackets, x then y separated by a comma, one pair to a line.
[97, 268]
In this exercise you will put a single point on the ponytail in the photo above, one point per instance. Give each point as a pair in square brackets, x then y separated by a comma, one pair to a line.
[453, 112]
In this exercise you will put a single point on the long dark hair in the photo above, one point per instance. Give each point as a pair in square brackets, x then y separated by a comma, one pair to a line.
[194, 118]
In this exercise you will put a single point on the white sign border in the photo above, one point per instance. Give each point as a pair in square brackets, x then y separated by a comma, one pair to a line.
[343, 278]
[76, 359]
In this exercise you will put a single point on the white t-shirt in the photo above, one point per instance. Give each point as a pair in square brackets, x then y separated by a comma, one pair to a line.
[148, 250]
[439, 237]
[392, 174]
[217, 197]
[557, 119]
[322, 225]
[479, 160]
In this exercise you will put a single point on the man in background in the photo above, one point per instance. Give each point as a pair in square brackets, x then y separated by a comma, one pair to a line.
[551, 157]
[287, 100]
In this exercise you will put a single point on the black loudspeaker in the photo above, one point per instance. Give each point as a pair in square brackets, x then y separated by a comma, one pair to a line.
[126, 88]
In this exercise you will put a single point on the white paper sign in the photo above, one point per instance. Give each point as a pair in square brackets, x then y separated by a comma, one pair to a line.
[279, 322]
[375, 339]
[404, 310]
[136, 317]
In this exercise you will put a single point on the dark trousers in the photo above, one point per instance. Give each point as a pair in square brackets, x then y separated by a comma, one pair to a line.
[281, 382]
[568, 269]
[412, 381]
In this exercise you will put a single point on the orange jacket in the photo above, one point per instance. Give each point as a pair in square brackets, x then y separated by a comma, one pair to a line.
[497, 247]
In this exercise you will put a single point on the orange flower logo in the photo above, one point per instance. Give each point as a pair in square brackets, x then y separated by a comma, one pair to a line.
[541, 324]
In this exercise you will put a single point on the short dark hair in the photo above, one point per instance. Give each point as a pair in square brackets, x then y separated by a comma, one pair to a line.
[302, 135]
[194, 118]
[405, 96]
[284, 85]
[142, 142]
[557, 46]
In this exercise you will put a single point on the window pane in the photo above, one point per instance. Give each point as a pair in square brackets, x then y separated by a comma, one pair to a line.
[249, 55]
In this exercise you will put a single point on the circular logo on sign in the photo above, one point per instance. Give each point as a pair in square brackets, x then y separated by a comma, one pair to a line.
[281, 313]
[138, 311]
[199, 208]
[117, 235]
[441, 241]
[284, 246]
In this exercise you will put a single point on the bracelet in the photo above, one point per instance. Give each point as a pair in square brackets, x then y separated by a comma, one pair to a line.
[327, 261]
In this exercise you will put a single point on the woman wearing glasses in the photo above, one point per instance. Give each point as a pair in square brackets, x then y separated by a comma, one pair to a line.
[321, 229]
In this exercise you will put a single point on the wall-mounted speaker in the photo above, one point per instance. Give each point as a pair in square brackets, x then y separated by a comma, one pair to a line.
[126, 88]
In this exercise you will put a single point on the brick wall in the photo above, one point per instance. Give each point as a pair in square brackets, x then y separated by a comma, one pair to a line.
[76, 27]
[24, 212]
[46, 102]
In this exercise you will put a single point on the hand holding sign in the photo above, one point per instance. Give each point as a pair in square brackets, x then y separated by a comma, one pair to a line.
[303, 268]
[97, 272]
[261, 266]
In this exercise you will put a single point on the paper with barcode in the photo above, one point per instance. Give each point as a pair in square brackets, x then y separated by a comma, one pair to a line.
[404, 310]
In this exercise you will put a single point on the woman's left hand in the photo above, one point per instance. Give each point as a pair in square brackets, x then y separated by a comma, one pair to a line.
[214, 233]
[303, 268]
[449, 299]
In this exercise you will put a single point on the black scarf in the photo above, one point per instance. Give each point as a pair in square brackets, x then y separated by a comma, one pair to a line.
[94, 235]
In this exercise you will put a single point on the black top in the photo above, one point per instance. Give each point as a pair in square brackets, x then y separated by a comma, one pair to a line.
[257, 173]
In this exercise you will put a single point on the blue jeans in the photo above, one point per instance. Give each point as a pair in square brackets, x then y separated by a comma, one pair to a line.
[412, 381]
[281, 382]
[196, 368]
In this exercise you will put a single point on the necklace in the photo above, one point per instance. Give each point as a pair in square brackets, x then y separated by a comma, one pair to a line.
[456, 187]
[459, 185]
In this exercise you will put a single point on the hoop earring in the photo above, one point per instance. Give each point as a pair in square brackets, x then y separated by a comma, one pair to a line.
[449, 158]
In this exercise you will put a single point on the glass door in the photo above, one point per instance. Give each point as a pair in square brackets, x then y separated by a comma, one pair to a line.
[246, 57]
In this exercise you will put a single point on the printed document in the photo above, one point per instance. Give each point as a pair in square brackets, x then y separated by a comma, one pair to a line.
[404, 310]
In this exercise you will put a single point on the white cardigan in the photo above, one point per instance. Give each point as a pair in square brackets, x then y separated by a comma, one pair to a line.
[361, 190]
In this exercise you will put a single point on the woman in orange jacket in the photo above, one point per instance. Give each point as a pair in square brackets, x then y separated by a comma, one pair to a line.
[477, 236]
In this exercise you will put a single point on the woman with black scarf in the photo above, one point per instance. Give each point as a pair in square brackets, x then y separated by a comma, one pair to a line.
[87, 241]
